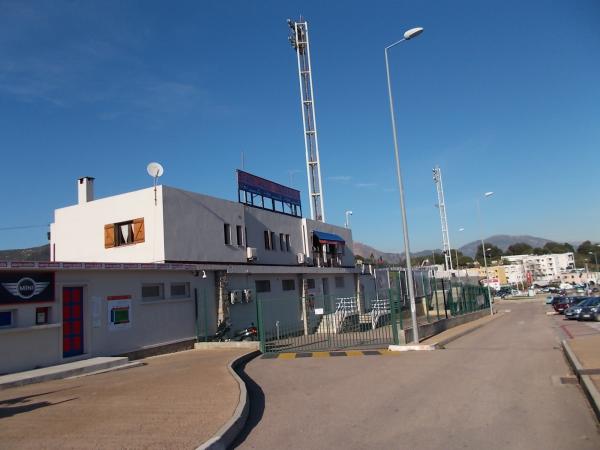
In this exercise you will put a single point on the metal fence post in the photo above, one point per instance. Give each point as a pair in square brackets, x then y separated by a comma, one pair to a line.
[259, 319]
[393, 317]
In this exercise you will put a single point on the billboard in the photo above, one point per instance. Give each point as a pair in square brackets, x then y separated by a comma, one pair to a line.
[26, 287]
[266, 188]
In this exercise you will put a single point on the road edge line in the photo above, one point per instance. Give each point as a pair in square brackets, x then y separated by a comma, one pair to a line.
[586, 383]
[225, 435]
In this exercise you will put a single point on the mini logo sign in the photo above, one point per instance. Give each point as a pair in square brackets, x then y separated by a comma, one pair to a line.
[26, 287]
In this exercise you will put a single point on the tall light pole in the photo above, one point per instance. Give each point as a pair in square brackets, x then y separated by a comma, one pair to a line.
[347, 223]
[461, 229]
[408, 35]
[487, 275]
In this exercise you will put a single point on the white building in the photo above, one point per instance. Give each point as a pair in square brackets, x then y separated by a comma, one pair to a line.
[544, 267]
[150, 268]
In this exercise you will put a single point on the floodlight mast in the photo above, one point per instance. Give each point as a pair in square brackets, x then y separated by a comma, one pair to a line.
[437, 178]
[299, 40]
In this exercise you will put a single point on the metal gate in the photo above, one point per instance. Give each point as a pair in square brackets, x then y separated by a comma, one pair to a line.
[326, 322]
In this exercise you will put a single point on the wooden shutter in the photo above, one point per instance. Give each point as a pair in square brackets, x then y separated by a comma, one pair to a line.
[109, 235]
[138, 231]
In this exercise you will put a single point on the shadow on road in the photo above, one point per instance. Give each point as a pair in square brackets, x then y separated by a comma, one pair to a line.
[257, 406]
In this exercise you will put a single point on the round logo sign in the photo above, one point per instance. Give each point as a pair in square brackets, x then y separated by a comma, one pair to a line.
[26, 288]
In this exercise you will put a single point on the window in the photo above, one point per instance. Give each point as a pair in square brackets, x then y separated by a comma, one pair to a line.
[310, 283]
[288, 285]
[272, 241]
[287, 242]
[6, 319]
[227, 232]
[42, 315]
[124, 233]
[267, 243]
[240, 237]
[339, 282]
[154, 291]
[281, 242]
[180, 290]
[263, 285]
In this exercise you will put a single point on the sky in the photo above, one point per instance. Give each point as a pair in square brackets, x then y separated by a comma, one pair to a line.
[503, 95]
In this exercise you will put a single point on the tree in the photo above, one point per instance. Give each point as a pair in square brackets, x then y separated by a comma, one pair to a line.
[586, 247]
[540, 251]
[555, 247]
[492, 253]
[520, 248]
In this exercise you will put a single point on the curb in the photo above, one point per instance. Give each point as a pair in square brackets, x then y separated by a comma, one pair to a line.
[225, 435]
[588, 386]
[411, 347]
[440, 344]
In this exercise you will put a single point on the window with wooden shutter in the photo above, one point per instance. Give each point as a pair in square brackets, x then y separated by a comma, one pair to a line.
[109, 235]
[138, 230]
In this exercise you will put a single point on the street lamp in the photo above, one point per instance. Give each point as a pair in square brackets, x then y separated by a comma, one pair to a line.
[347, 223]
[408, 35]
[461, 229]
[487, 275]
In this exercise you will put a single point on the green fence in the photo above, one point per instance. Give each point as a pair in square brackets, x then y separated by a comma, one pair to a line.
[324, 323]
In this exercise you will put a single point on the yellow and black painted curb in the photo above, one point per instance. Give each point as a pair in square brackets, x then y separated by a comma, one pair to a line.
[297, 355]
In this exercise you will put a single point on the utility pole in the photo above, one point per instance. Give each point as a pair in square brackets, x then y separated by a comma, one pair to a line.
[437, 178]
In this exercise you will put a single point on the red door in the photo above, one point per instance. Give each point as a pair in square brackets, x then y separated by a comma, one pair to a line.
[72, 321]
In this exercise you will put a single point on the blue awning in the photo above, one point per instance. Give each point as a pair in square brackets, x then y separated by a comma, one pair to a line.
[328, 238]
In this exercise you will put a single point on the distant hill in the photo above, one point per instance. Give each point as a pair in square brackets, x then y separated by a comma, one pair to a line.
[41, 253]
[366, 251]
[503, 241]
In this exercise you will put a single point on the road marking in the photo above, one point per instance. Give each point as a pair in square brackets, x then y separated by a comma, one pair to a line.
[298, 355]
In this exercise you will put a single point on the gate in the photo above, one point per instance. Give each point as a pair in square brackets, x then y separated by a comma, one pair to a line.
[313, 323]
[325, 323]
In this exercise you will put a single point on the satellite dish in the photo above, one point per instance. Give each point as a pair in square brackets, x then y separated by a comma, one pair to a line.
[155, 169]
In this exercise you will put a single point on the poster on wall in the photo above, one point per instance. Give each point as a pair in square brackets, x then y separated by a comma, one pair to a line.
[26, 287]
[119, 313]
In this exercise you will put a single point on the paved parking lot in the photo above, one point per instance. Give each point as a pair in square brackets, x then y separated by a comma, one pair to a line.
[174, 401]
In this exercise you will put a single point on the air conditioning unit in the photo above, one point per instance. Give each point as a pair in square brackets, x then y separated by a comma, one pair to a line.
[301, 258]
[248, 295]
[235, 297]
[251, 253]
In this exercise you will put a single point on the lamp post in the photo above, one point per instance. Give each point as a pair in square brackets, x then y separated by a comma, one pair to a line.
[408, 35]
[347, 223]
[461, 229]
[487, 276]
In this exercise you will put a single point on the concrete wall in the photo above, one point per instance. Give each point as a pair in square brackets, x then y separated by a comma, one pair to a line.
[153, 322]
[77, 233]
[194, 227]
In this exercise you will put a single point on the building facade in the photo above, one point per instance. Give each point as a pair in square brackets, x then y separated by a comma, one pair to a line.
[544, 267]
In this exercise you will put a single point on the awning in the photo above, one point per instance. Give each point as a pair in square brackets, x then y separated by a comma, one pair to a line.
[328, 238]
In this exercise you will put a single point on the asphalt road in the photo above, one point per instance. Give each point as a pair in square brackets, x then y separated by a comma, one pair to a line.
[496, 388]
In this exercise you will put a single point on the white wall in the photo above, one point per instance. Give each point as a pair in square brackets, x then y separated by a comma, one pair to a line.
[77, 233]
[153, 322]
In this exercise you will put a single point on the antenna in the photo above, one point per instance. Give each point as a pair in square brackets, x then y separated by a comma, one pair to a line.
[155, 170]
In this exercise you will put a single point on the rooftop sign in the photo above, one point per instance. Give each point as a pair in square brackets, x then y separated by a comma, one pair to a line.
[252, 186]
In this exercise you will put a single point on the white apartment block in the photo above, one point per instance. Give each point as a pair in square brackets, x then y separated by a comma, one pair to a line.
[544, 267]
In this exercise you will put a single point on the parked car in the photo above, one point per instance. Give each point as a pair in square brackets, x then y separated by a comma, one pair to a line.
[572, 312]
[549, 299]
[563, 303]
[591, 311]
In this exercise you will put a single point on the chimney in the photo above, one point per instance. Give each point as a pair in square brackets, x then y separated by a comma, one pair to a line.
[85, 190]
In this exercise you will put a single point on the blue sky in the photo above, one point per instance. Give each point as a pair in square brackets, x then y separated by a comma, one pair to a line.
[503, 95]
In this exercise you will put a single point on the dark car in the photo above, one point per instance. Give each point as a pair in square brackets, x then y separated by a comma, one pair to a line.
[572, 312]
[591, 311]
[562, 303]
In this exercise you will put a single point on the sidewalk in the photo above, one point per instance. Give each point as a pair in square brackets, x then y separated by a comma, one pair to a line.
[584, 355]
[173, 401]
[441, 339]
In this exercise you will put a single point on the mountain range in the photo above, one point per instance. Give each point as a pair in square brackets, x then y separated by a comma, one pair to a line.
[503, 241]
